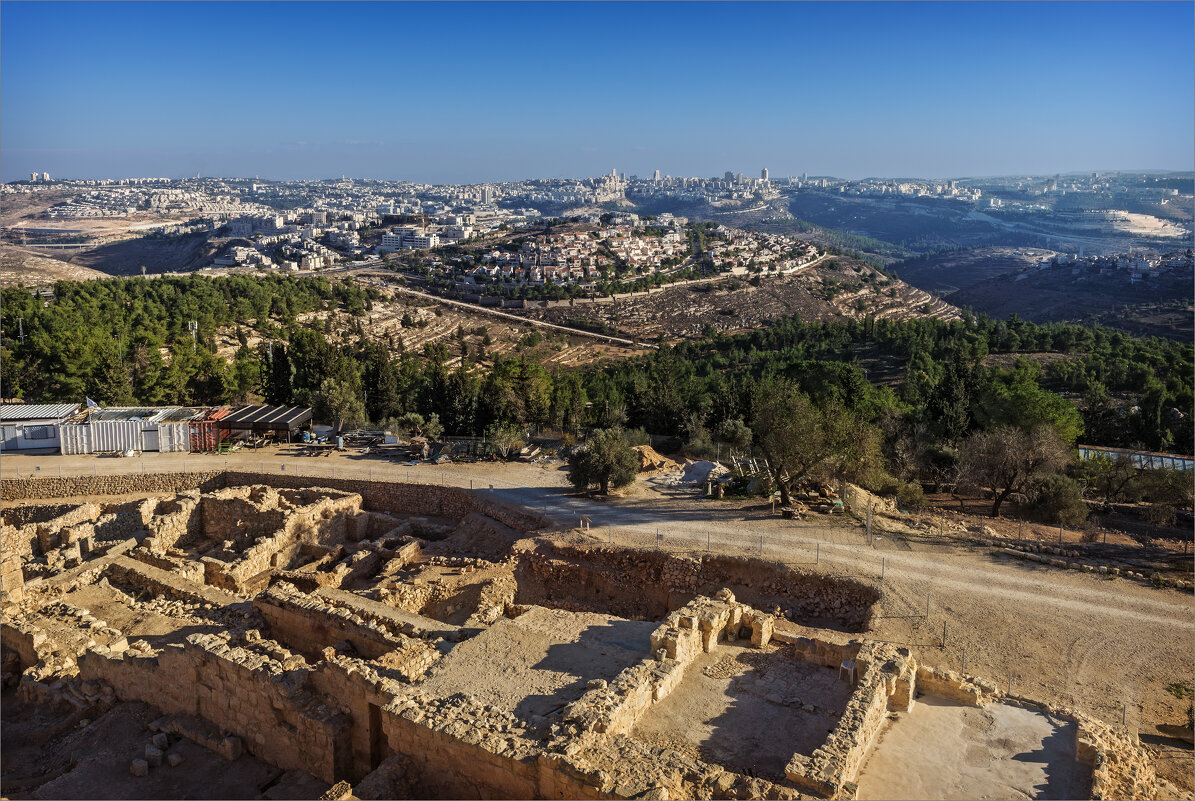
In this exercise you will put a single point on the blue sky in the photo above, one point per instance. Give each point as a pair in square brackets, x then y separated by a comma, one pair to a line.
[459, 92]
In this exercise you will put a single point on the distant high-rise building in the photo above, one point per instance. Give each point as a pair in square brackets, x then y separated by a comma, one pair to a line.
[729, 176]
[763, 174]
[33, 177]
[614, 173]
[738, 179]
[804, 177]
[45, 176]
[657, 175]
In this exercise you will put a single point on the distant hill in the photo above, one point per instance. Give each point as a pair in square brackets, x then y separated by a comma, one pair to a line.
[1003, 281]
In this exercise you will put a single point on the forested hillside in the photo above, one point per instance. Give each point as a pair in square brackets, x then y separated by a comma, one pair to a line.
[128, 341]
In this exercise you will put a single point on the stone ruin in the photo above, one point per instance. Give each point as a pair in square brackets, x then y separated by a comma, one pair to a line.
[402, 643]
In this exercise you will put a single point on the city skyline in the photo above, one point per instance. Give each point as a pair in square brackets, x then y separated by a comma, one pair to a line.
[488, 93]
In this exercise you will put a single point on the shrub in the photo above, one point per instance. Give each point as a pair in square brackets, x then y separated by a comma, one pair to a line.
[1058, 499]
[606, 460]
[910, 496]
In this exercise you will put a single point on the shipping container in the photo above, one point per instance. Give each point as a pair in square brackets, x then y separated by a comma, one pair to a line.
[74, 438]
[174, 437]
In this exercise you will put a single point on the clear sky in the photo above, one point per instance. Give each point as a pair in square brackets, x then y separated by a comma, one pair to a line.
[458, 92]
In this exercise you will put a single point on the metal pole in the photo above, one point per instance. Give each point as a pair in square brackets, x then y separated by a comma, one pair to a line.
[707, 540]
[1020, 525]
[60, 471]
[1010, 681]
[761, 545]
[943, 634]
[964, 670]
[927, 597]
[883, 566]
[817, 554]
[1059, 533]
[1124, 714]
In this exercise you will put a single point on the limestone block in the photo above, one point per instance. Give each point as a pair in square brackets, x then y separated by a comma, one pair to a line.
[231, 748]
[174, 760]
[139, 767]
[153, 756]
[161, 741]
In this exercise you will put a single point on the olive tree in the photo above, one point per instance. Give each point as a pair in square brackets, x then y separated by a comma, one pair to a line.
[606, 460]
[1006, 460]
[802, 440]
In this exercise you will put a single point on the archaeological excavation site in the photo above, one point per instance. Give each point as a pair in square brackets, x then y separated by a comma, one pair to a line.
[253, 635]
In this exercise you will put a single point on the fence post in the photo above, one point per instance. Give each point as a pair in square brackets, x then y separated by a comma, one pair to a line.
[1010, 681]
[707, 540]
[883, 566]
[817, 554]
[943, 635]
[927, 597]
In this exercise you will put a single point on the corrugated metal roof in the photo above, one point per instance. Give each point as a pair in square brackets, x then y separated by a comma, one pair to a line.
[36, 411]
[267, 417]
[131, 413]
[182, 415]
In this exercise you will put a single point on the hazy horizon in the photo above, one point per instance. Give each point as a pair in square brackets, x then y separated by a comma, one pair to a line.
[471, 93]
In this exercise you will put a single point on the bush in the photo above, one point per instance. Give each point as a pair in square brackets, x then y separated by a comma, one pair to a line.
[637, 436]
[605, 460]
[910, 496]
[1058, 499]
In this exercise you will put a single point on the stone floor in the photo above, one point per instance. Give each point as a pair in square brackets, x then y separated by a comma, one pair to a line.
[748, 710]
[942, 750]
[537, 663]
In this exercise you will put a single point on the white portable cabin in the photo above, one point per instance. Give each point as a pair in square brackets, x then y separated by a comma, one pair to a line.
[131, 429]
[33, 426]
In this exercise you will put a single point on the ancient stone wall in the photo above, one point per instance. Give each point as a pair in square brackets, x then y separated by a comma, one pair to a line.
[887, 680]
[160, 583]
[648, 584]
[19, 489]
[392, 496]
[426, 499]
[307, 624]
[457, 749]
[258, 698]
[27, 641]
